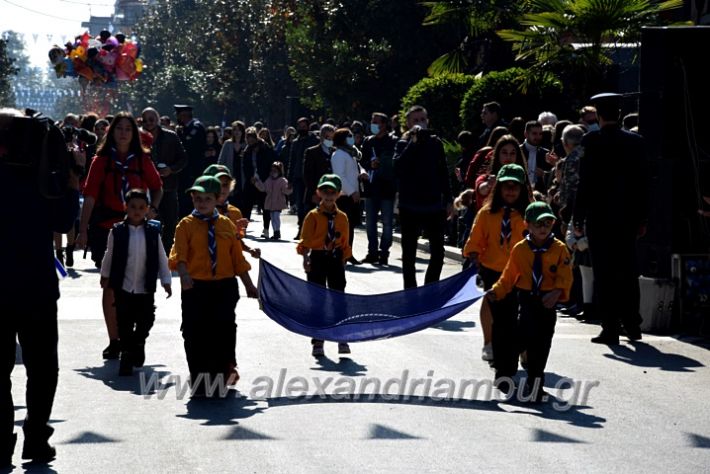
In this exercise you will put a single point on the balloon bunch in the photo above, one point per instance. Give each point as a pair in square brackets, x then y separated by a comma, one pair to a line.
[102, 60]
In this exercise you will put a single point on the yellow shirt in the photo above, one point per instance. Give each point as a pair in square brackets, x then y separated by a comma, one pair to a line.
[556, 270]
[191, 246]
[485, 238]
[315, 230]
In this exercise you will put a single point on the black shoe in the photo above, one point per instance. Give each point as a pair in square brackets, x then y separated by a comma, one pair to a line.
[606, 338]
[370, 258]
[126, 366]
[298, 236]
[36, 446]
[60, 256]
[504, 384]
[113, 350]
[6, 453]
[353, 261]
[70, 255]
[138, 355]
[383, 260]
[276, 236]
[633, 334]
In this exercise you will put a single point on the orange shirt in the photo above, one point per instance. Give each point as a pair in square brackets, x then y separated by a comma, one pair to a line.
[485, 238]
[556, 270]
[191, 246]
[315, 230]
[234, 215]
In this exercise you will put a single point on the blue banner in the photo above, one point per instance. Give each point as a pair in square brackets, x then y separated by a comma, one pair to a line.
[315, 311]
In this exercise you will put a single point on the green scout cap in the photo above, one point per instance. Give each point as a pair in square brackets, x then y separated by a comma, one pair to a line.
[538, 211]
[511, 172]
[206, 184]
[330, 181]
[217, 171]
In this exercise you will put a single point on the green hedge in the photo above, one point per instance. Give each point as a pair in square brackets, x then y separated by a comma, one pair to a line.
[441, 96]
[504, 87]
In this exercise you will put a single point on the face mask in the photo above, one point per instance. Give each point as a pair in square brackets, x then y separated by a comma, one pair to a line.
[374, 128]
[350, 141]
[421, 125]
[593, 127]
[328, 143]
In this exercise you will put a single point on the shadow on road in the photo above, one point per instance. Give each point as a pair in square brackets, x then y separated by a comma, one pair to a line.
[224, 411]
[108, 374]
[554, 409]
[454, 326]
[644, 355]
[345, 366]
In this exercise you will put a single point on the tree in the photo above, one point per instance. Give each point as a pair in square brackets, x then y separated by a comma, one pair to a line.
[353, 57]
[7, 70]
[572, 38]
[473, 24]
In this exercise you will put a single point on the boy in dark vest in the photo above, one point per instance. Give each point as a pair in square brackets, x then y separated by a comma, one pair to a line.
[134, 259]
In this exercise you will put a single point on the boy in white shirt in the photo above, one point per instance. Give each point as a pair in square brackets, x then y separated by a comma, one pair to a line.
[134, 259]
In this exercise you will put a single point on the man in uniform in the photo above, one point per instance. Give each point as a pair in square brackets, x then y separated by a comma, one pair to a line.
[612, 209]
[194, 138]
[170, 159]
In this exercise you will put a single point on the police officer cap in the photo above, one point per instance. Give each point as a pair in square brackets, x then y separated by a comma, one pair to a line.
[182, 108]
[606, 97]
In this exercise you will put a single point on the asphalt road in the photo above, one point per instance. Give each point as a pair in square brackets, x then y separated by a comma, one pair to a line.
[635, 407]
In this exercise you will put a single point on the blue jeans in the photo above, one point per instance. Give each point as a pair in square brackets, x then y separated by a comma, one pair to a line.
[373, 206]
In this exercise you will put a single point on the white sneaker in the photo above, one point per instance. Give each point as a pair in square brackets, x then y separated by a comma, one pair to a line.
[487, 352]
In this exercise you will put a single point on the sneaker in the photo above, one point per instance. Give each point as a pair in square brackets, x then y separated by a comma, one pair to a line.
[113, 350]
[343, 348]
[353, 261]
[487, 352]
[370, 258]
[265, 234]
[318, 349]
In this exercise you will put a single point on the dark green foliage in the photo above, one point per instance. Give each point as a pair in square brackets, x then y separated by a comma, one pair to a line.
[441, 96]
[505, 87]
[7, 70]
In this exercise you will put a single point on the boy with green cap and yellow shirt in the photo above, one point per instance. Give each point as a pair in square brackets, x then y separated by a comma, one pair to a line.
[325, 247]
[539, 270]
[207, 255]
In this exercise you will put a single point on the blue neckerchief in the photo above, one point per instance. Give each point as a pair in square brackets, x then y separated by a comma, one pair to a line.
[505, 226]
[122, 166]
[537, 263]
[211, 239]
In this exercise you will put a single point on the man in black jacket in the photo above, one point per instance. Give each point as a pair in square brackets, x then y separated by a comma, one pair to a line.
[170, 159]
[316, 163]
[299, 145]
[29, 293]
[536, 156]
[380, 187]
[612, 209]
[425, 198]
[193, 136]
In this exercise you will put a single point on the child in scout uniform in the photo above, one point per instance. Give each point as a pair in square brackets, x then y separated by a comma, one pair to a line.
[134, 260]
[539, 270]
[207, 255]
[324, 245]
[498, 226]
[222, 173]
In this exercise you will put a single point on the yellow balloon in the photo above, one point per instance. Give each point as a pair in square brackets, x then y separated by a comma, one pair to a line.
[139, 65]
